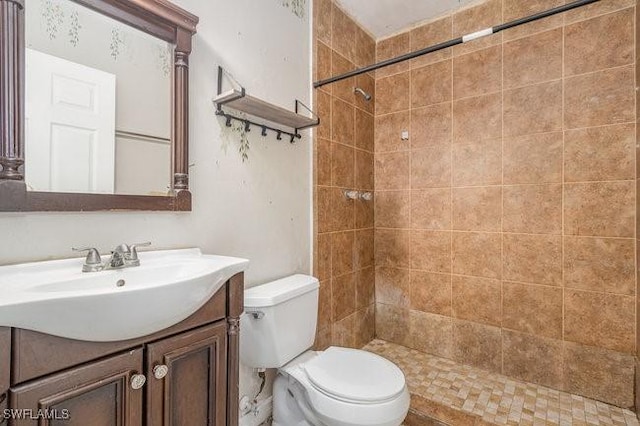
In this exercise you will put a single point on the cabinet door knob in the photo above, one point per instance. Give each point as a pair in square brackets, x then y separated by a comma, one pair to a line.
[160, 371]
[138, 381]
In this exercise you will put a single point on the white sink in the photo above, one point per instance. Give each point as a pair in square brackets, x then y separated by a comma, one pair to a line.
[57, 298]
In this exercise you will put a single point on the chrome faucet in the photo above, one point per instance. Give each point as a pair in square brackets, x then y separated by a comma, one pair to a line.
[123, 256]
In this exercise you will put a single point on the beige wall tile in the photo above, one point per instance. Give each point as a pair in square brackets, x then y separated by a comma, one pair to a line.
[477, 344]
[342, 122]
[532, 309]
[392, 324]
[392, 170]
[515, 9]
[604, 97]
[431, 250]
[533, 109]
[325, 305]
[431, 333]
[533, 59]
[323, 209]
[477, 299]
[390, 48]
[477, 118]
[342, 250]
[343, 33]
[392, 93]
[431, 167]
[431, 126]
[364, 131]
[322, 20]
[429, 34]
[323, 338]
[533, 158]
[323, 271]
[598, 319]
[431, 292]
[533, 209]
[600, 153]
[389, 130]
[477, 254]
[342, 165]
[477, 73]
[323, 109]
[533, 359]
[323, 162]
[364, 170]
[392, 248]
[532, 258]
[323, 62]
[597, 9]
[431, 209]
[365, 48]
[600, 374]
[341, 211]
[364, 248]
[364, 214]
[600, 209]
[343, 332]
[603, 42]
[393, 286]
[365, 288]
[364, 326]
[367, 83]
[431, 84]
[343, 292]
[477, 162]
[477, 208]
[342, 89]
[393, 209]
[600, 264]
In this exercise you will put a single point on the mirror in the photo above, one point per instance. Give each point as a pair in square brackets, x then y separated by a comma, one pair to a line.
[94, 97]
[97, 105]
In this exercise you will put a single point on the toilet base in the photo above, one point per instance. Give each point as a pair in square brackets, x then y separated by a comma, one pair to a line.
[286, 411]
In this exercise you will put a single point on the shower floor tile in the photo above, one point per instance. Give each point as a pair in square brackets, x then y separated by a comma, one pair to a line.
[444, 392]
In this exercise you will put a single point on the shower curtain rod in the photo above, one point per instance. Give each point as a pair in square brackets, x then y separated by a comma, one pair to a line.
[456, 41]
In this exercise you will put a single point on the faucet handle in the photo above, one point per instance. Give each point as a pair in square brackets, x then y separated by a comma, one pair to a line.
[133, 255]
[93, 262]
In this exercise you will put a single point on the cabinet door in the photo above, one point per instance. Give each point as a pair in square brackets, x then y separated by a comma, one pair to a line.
[193, 391]
[97, 394]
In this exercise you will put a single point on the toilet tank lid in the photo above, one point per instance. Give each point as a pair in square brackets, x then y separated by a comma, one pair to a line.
[276, 292]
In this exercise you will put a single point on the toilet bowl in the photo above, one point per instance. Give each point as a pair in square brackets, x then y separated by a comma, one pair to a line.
[335, 387]
[340, 387]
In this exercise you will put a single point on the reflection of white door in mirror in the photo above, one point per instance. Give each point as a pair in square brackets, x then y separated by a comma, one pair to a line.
[70, 126]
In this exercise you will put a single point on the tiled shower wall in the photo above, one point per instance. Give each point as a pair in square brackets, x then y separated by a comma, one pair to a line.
[343, 157]
[505, 225]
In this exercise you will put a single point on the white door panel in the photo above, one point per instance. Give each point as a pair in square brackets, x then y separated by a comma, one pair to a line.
[70, 110]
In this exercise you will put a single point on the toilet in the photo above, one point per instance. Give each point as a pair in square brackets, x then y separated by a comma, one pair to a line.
[335, 387]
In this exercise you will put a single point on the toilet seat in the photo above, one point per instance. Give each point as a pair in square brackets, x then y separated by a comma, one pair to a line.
[332, 400]
[355, 376]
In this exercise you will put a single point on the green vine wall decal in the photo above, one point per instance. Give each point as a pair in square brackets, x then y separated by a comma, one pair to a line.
[298, 7]
[237, 128]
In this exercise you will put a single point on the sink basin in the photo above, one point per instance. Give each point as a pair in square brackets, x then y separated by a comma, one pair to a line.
[57, 298]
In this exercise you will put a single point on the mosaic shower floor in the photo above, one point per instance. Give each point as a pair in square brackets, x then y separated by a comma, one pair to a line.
[446, 393]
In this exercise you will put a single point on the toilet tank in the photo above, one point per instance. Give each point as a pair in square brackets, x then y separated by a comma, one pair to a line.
[279, 322]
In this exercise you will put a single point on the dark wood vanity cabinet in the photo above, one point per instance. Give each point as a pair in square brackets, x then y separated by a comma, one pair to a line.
[185, 375]
[96, 394]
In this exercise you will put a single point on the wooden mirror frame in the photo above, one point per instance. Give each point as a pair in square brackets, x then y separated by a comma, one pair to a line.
[159, 18]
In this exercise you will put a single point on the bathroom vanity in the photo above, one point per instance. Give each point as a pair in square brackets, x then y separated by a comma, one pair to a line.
[186, 374]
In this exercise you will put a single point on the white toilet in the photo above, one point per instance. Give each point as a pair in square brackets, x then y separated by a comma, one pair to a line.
[336, 387]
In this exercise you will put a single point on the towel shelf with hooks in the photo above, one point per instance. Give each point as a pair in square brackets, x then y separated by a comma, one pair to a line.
[237, 99]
